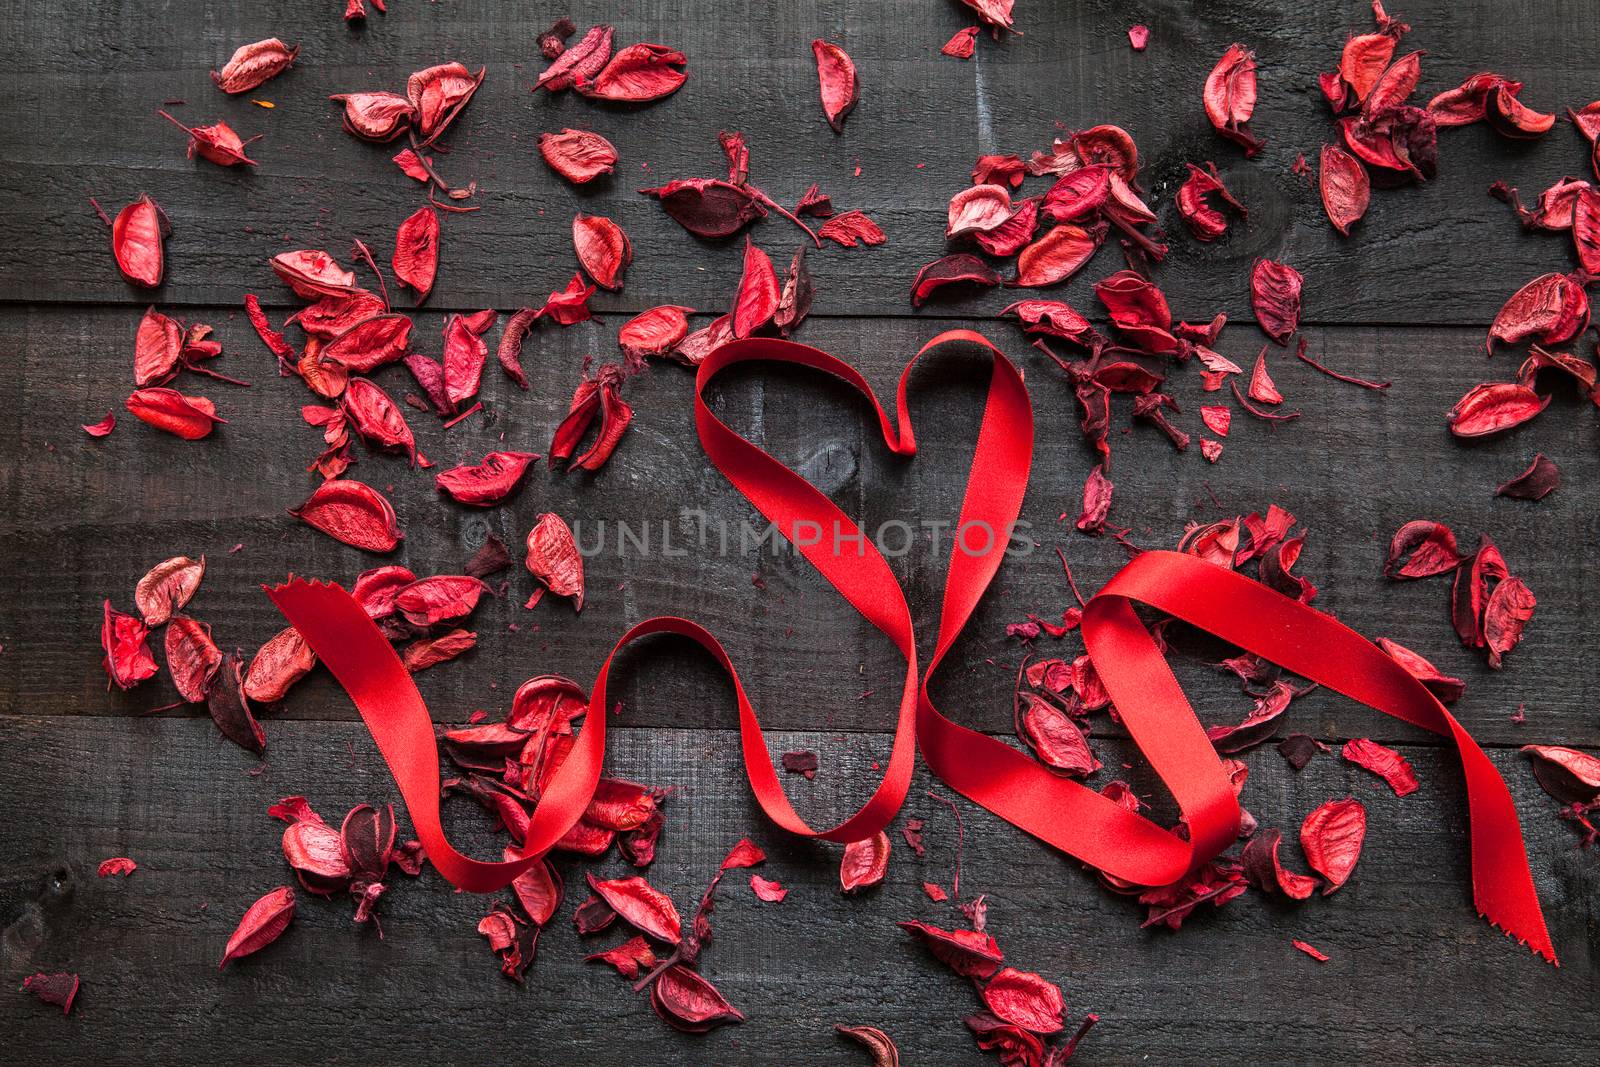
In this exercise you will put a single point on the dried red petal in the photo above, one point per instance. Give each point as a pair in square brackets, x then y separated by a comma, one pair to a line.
[102, 428]
[1138, 310]
[1331, 837]
[580, 156]
[1015, 1045]
[218, 144]
[1024, 999]
[487, 483]
[1346, 189]
[539, 890]
[851, 227]
[864, 863]
[116, 865]
[313, 274]
[59, 989]
[376, 116]
[1537, 482]
[230, 708]
[1441, 685]
[416, 251]
[996, 14]
[642, 906]
[708, 207]
[745, 854]
[1138, 37]
[581, 61]
[978, 209]
[138, 236]
[1230, 96]
[438, 94]
[1550, 309]
[604, 250]
[1507, 612]
[1258, 725]
[1207, 223]
[352, 512]
[836, 75]
[655, 332]
[277, 665]
[875, 1041]
[1263, 869]
[188, 417]
[571, 305]
[1097, 489]
[1571, 776]
[1510, 117]
[1056, 256]
[157, 349]
[192, 657]
[756, 301]
[167, 587]
[1262, 390]
[1275, 298]
[553, 558]
[970, 953]
[432, 651]
[127, 657]
[767, 890]
[262, 924]
[253, 64]
[1217, 419]
[1430, 548]
[959, 269]
[511, 939]
[431, 601]
[962, 43]
[464, 356]
[375, 590]
[687, 1001]
[798, 291]
[1494, 407]
[596, 396]
[1385, 762]
[631, 958]
[1057, 740]
[638, 74]
[316, 852]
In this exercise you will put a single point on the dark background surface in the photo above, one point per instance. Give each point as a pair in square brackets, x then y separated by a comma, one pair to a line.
[1415, 976]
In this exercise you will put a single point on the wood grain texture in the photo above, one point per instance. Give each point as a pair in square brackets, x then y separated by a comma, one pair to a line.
[90, 83]
[1415, 977]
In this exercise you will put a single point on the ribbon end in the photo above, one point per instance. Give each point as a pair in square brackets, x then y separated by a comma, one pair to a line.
[1539, 943]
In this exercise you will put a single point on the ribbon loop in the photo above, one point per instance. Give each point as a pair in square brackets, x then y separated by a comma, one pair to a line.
[1064, 813]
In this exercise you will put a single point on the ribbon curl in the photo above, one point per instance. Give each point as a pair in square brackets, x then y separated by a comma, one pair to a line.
[1059, 811]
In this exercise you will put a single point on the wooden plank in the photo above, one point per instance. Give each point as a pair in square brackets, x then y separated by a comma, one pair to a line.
[85, 518]
[90, 84]
[1413, 975]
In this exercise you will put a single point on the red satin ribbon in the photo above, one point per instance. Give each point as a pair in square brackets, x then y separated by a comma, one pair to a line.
[1059, 811]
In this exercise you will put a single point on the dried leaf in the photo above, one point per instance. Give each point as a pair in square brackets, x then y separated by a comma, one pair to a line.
[580, 156]
[1275, 297]
[188, 417]
[254, 64]
[138, 236]
[604, 250]
[1537, 482]
[487, 483]
[1024, 999]
[642, 906]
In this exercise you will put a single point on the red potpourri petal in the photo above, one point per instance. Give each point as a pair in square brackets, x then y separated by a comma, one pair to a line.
[253, 64]
[416, 251]
[263, 922]
[553, 558]
[1383, 761]
[352, 512]
[1331, 837]
[864, 863]
[836, 75]
[580, 156]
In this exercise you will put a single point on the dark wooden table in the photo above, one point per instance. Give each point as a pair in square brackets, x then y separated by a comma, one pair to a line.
[1415, 977]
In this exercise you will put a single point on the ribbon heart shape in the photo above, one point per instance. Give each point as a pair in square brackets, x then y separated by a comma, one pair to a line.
[1059, 811]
